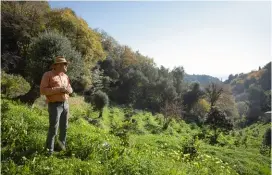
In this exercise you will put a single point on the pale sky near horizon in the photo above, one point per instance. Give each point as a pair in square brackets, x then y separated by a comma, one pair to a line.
[214, 38]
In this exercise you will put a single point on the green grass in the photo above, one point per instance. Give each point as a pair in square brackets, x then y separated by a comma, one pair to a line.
[122, 142]
[244, 161]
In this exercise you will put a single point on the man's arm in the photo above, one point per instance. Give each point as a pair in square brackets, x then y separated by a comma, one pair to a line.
[44, 86]
[69, 88]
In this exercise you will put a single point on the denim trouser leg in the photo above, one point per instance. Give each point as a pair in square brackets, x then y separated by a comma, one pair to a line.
[58, 117]
[63, 123]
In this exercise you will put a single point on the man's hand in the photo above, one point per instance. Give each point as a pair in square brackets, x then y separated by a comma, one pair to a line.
[64, 90]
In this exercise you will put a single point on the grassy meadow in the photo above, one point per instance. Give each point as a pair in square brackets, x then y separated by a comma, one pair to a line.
[124, 141]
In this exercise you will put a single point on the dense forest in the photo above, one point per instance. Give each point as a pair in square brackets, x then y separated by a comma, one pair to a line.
[149, 115]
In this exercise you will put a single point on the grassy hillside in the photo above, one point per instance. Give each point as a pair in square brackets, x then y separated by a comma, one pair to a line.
[124, 141]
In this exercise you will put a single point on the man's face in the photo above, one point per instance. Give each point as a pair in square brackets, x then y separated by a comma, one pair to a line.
[61, 67]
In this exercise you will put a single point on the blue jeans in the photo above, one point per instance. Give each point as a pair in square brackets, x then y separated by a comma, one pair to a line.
[58, 118]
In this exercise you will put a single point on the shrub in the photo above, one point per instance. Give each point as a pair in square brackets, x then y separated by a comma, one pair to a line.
[45, 48]
[218, 122]
[22, 132]
[99, 99]
[13, 85]
[267, 137]
[265, 148]
[191, 147]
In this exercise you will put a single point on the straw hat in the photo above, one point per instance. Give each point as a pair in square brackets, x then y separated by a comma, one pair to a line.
[58, 60]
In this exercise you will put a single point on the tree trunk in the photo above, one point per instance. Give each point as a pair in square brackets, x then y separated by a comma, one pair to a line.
[31, 96]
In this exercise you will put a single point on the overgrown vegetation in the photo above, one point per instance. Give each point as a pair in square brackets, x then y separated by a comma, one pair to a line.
[13, 85]
[252, 91]
[121, 145]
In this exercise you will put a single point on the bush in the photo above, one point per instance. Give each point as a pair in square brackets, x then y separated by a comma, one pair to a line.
[13, 85]
[265, 148]
[191, 147]
[44, 49]
[10, 63]
[267, 137]
[218, 122]
[22, 132]
[99, 99]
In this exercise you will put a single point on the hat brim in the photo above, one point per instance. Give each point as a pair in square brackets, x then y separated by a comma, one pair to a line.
[59, 63]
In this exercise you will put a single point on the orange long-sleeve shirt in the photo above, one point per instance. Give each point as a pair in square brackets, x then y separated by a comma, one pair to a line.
[51, 84]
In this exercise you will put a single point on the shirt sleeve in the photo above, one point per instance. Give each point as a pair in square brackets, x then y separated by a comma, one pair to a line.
[69, 88]
[45, 89]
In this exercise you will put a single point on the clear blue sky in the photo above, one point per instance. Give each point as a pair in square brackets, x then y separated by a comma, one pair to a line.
[214, 38]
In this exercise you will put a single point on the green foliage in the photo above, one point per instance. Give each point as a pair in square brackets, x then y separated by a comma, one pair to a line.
[266, 104]
[135, 81]
[218, 122]
[220, 96]
[200, 110]
[108, 43]
[266, 144]
[191, 97]
[13, 85]
[252, 92]
[125, 140]
[265, 79]
[201, 79]
[230, 78]
[121, 149]
[241, 160]
[17, 136]
[99, 99]
[20, 22]
[213, 92]
[242, 108]
[178, 76]
[191, 147]
[82, 37]
[100, 81]
[170, 111]
[44, 49]
[257, 99]
[226, 103]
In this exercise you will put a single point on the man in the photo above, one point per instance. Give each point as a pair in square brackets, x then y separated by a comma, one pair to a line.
[56, 87]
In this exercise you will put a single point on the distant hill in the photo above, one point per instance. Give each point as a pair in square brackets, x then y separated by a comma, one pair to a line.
[252, 92]
[241, 83]
[201, 79]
